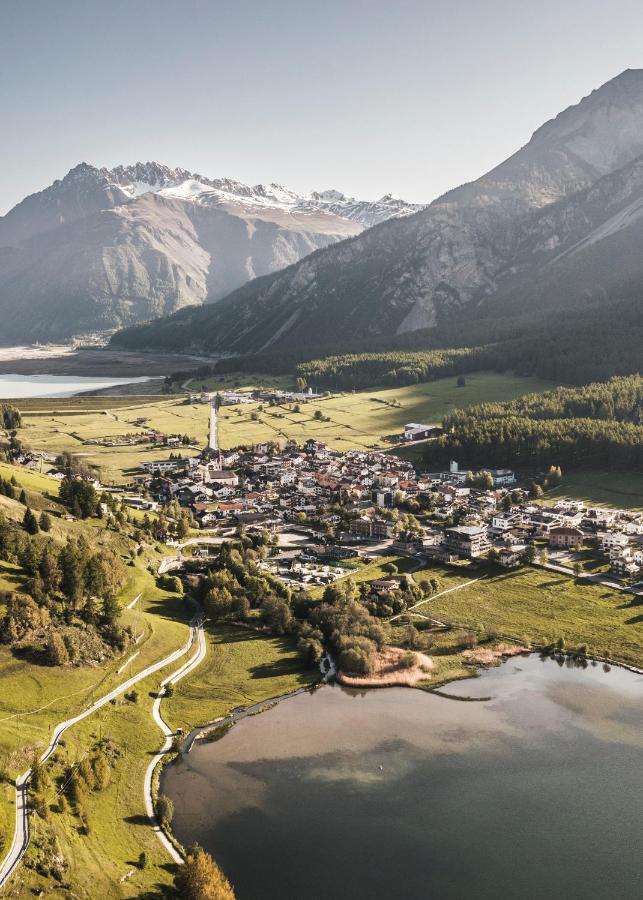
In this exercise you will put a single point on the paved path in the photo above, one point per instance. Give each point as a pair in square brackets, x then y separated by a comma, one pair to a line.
[185, 669]
[603, 580]
[134, 602]
[458, 587]
[20, 840]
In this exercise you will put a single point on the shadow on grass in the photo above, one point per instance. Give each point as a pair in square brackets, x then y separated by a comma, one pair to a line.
[171, 607]
[138, 819]
[158, 892]
[275, 669]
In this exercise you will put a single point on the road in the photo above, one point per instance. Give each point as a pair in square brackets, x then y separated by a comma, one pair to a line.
[20, 840]
[172, 679]
[604, 580]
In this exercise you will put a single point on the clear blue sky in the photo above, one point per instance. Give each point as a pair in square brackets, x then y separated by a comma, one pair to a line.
[408, 96]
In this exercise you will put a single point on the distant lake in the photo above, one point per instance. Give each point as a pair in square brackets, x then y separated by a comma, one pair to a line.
[396, 793]
[15, 387]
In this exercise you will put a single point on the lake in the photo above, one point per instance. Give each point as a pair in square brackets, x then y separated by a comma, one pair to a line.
[397, 793]
[15, 387]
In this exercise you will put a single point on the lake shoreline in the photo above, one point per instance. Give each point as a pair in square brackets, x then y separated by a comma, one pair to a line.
[63, 360]
[381, 754]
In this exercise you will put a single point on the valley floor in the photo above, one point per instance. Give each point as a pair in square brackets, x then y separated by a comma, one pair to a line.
[344, 421]
[242, 667]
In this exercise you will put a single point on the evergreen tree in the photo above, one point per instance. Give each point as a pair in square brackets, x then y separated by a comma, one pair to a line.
[56, 652]
[30, 522]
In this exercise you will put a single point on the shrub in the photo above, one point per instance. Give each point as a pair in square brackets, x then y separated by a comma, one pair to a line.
[407, 660]
[164, 810]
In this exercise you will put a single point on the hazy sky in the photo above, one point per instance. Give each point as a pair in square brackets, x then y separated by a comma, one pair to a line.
[366, 96]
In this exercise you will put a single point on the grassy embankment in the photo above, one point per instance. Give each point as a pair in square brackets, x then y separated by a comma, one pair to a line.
[241, 668]
[540, 606]
[355, 420]
[34, 698]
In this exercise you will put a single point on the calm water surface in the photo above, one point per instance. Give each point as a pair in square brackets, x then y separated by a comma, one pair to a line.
[402, 794]
[15, 387]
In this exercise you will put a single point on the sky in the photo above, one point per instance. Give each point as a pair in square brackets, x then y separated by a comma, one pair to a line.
[368, 97]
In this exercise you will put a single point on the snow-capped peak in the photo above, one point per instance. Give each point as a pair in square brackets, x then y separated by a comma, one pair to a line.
[180, 184]
[329, 196]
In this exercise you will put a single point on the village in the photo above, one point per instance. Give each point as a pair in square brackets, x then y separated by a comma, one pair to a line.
[327, 510]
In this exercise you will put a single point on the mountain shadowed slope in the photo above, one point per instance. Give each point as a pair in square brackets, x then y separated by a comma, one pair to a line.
[576, 183]
[103, 248]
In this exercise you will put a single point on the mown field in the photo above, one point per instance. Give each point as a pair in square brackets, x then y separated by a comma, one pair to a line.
[354, 420]
[541, 606]
[365, 419]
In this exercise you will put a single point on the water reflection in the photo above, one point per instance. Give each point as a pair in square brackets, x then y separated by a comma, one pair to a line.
[399, 793]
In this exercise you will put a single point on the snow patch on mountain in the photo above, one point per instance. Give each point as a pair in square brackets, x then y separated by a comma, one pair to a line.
[180, 184]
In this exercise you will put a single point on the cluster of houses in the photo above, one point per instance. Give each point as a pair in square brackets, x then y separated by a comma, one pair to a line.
[349, 499]
[235, 398]
[154, 438]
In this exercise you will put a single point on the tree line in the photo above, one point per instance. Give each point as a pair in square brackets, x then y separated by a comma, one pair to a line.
[599, 425]
[589, 340]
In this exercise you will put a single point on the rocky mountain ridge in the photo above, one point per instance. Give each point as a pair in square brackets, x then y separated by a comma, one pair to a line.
[573, 184]
[103, 248]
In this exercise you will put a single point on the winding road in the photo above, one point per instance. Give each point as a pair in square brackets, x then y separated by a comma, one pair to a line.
[185, 669]
[21, 835]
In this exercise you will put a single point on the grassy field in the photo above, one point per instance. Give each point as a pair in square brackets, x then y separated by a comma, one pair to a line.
[80, 404]
[615, 489]
[30, 481]
[364, 419]
[355, 420]
[36, 697]
[241, 381]
[242, 667]
[56, 430]
[103, 862]
[541, 606]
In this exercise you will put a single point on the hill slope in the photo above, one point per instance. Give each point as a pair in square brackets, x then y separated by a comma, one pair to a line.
[575, 184]
[100, 249]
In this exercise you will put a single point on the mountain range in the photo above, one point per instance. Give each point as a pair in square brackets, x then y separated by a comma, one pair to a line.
[559, 223]
[103, 248]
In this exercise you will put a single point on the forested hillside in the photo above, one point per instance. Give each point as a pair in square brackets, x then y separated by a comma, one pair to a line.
[600, 425]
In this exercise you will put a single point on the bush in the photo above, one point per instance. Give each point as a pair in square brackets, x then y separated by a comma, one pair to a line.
[171, 583]
[164, 810]
[356, 655]
[407, 660]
